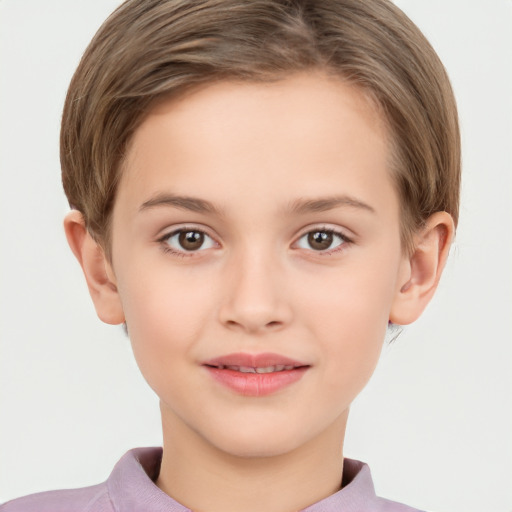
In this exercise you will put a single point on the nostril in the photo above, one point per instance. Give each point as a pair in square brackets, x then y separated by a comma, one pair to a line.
[274, 324]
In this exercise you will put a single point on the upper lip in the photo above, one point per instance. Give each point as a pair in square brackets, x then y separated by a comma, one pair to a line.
[263, 360]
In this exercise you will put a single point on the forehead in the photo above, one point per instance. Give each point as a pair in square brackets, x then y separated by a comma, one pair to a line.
[302, 134]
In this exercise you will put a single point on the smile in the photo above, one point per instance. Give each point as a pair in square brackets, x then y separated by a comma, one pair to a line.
[255, 374]
[252, 369]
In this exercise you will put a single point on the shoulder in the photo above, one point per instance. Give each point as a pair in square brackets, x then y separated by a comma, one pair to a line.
[393, 506]
[129, 488]
[358, 476]
[357, 493]
[86, 499]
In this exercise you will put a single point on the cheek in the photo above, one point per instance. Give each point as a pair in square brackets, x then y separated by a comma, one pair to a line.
[352, 300]
[351, 343]
[348, 318]
[165, 315]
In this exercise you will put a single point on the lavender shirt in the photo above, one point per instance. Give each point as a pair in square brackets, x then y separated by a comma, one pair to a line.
[131, 488]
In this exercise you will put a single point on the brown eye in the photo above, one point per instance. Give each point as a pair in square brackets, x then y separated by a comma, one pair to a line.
[188, 240]
[320, 240]
[191, 240]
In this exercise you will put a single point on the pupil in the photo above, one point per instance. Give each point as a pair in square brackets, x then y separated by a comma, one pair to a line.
[191, 240]
[320, 240]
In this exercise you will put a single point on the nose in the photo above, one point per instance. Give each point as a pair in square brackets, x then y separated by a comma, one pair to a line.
[255, 299]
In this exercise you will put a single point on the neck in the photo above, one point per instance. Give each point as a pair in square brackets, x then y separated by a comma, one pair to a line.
[206, 479]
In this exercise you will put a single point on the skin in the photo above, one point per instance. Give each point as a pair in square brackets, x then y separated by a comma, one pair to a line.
[274, 162]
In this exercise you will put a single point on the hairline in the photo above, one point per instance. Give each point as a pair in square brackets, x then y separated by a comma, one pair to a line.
[407, 228]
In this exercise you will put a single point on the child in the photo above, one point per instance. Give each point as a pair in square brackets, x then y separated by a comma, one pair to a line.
[258, 189]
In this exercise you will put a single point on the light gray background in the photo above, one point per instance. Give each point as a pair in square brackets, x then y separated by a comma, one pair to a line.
[435, 421]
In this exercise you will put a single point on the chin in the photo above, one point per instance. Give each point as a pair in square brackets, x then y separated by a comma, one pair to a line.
[257, 450]
[271, 441]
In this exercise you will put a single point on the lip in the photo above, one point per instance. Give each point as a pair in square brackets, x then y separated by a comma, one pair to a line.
[255, 374]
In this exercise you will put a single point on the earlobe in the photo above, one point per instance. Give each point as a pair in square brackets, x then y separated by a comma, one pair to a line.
[422, 269]
[96, 268]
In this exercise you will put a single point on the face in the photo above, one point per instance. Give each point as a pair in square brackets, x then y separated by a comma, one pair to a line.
[256, 253]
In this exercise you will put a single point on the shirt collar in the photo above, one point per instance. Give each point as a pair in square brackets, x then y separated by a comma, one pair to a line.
[131, 486]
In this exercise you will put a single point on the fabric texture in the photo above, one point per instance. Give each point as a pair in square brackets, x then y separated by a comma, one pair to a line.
[131, 488]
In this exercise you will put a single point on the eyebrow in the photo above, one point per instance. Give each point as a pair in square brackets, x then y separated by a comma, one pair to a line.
[328, 203]
[300, 206]
[182, 202]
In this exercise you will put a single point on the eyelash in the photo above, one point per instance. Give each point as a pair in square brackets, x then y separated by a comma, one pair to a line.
[163, 241]
[344, 240]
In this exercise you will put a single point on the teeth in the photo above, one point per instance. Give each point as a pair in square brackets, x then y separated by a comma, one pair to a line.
[251, 369]
[267, 369]
[247, 369]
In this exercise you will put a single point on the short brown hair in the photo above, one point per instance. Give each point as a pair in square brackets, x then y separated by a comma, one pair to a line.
[148, 49]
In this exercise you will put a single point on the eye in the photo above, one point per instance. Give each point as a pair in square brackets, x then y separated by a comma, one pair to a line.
[321, 240]
[187, 240]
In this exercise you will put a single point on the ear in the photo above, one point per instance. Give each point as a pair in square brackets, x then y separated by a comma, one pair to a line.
[97, 270]
[422, 270]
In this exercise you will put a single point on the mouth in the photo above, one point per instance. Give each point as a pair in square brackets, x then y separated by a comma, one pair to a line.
[255, 369]
[255, 374]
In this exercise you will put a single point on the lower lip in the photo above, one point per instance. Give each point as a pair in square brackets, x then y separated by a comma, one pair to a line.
[256, 384]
